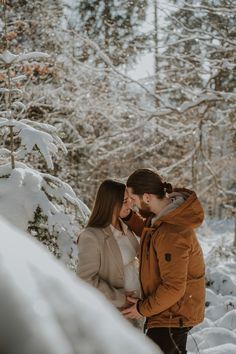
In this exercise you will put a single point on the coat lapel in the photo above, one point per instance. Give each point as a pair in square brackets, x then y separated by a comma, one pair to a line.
[134, 242]
[114, 248]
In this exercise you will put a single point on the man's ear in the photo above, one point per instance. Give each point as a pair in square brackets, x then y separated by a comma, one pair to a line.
[146, 198]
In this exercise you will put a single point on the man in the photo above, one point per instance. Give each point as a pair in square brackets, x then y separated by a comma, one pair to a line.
[171, 260]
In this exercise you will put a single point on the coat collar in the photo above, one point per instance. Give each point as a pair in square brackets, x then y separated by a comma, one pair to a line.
[108, 231]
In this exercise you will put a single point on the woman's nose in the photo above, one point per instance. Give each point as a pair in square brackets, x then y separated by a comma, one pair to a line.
[130, 202]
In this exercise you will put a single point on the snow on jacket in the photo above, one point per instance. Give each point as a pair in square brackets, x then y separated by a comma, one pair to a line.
[172, 271]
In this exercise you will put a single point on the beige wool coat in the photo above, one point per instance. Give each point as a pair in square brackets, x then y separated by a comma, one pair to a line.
[100, 262]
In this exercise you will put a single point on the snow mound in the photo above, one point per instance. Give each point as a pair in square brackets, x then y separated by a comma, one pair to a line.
[217, 333]
[221, 349]
[45, 309]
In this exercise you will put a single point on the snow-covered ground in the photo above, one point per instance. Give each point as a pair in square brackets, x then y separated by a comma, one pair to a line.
[45, 309]
[217, 334]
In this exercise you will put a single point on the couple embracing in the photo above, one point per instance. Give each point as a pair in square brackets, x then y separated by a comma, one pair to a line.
[148, 263]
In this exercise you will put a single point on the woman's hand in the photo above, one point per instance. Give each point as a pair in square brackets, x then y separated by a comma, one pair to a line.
[130, 294]
[127, 302]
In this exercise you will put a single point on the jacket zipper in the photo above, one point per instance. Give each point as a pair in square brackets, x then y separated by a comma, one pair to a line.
[140, 264]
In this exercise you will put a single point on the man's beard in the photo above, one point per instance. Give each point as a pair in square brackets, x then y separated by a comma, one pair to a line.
[145, 210]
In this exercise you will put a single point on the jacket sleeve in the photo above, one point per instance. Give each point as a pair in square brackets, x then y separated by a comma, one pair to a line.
[89, 265]
[173, 257]
[135, 222]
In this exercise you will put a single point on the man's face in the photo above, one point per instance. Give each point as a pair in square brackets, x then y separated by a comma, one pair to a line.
[135, 199]
[138, 201]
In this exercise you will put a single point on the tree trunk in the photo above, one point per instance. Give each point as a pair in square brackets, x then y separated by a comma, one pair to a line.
[234, 244]
[155, 40]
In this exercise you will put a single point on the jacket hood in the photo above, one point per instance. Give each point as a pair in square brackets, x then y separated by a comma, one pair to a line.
[184, 209]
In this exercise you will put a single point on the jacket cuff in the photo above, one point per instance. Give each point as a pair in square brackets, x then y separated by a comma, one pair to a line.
[138, 307]
[128, 217]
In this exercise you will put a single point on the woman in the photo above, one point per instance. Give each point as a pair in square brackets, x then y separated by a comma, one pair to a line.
[107, 247]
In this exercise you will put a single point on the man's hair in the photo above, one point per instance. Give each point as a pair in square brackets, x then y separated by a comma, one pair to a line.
[109, 199]
[146, 181]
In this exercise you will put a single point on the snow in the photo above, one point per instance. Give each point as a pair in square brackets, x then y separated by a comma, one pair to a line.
[52, 311]
[31, 137]
[23, 190]
[217, 334]
[46, 309]
[9, 58]
[34, 134]
[143, 68]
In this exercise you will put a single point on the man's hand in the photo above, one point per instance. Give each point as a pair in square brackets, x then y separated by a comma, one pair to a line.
[131, 312]
[127, 303]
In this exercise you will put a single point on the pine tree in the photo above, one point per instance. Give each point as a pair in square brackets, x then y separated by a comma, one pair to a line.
[32, 200]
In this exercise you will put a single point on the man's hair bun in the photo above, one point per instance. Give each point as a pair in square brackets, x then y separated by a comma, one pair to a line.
[167, 187]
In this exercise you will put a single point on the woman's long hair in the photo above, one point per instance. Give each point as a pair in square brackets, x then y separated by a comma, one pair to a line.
[109, 199]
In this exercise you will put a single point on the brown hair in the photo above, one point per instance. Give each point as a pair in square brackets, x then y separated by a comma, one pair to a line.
[109, 198]
[146, 181]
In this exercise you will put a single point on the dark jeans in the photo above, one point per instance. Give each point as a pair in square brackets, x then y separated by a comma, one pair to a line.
[170, 340]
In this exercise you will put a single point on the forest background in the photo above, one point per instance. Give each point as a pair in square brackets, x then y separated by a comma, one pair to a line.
[87, 95]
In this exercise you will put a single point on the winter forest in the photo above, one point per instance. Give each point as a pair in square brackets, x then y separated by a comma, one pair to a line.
[96, 89]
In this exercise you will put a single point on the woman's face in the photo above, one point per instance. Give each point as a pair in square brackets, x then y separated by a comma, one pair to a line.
[125, 209]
